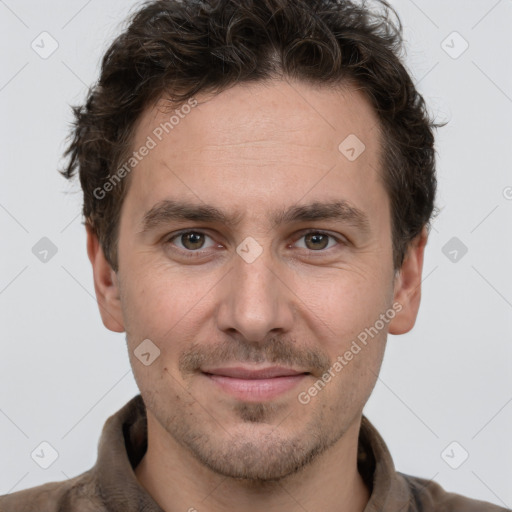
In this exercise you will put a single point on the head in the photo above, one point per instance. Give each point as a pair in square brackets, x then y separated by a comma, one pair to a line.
[258, 182]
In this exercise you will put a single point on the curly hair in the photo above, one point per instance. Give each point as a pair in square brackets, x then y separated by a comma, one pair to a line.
[179, 48]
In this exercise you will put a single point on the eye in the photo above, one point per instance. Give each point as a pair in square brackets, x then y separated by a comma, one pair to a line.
[191, 241]
[318, 240]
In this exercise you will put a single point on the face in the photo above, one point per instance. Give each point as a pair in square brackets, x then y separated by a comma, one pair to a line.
[256, 256]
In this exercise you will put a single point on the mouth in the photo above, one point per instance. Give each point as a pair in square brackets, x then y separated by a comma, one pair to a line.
[254, 385]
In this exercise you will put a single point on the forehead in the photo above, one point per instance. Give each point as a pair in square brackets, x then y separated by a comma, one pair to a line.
[256, 144]
[292, 112]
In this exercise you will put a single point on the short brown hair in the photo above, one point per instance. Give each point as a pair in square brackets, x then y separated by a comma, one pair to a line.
[179, 48]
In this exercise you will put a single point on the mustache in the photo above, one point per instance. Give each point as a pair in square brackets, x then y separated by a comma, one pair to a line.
[276, 351]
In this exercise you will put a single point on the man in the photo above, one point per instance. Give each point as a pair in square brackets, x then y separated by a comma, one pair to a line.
[258, 182]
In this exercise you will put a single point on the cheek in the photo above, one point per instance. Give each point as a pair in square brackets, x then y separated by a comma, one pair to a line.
[165, 305]
[340, 304]
[344, 323]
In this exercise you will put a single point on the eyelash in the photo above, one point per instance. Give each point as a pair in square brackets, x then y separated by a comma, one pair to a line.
[200, 253]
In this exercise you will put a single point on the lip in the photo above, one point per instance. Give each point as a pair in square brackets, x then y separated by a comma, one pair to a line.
[241, 372]
[255, 385]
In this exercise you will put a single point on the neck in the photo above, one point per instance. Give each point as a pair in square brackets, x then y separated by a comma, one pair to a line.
[178, 482]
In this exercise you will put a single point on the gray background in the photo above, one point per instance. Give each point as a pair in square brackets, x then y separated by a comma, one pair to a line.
[62, 373]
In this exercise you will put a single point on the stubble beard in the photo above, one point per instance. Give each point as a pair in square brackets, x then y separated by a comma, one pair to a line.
[257, 455]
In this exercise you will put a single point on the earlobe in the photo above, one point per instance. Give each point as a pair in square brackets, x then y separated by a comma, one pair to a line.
[408, 286]
[106, 284]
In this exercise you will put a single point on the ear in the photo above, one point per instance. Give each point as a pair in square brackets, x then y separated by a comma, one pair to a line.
[408, 286]
[106, 284]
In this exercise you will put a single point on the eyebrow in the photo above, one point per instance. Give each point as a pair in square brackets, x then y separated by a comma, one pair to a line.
[169, 210]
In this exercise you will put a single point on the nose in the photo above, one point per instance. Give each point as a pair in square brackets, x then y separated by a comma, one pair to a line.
[256, 301]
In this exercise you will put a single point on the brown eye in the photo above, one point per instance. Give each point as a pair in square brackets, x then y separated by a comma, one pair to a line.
[192, 240]
[321, 242]
[194, 245]
[316, 241]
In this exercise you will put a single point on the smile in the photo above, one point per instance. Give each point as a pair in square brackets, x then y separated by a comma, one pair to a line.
[255, 385]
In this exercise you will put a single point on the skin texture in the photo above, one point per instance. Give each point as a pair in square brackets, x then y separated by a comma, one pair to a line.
[300, 304]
